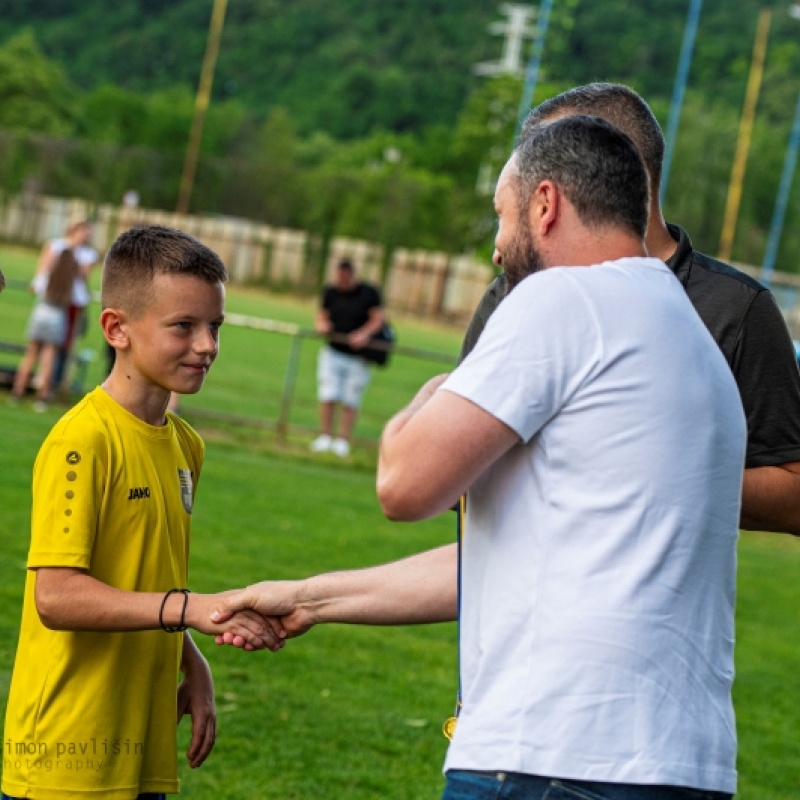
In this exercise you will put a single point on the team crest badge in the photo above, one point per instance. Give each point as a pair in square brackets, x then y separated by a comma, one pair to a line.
[187, 488]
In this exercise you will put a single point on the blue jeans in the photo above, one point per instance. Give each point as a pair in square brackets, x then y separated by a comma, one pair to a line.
[465, 785]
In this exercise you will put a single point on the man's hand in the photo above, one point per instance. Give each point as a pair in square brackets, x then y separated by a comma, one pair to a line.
[245, 628]
[275, 601]
[358, 340]
[196, 697]
[322, 322]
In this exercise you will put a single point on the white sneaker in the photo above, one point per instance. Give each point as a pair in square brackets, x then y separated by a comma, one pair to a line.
[40, 406]
[341, 447]
[322, 443]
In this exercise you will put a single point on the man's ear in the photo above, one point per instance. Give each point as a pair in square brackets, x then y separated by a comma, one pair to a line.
[544, 207]
[113, 323]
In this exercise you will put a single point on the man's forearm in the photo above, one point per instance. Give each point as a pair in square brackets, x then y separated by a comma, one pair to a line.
[771, 499]
[420, 589]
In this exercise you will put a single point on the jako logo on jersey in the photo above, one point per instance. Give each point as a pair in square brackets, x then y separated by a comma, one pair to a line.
[139, 493]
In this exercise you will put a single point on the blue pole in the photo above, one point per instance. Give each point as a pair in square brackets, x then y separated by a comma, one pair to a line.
[782, 199]
[532, 72]
[678, 90]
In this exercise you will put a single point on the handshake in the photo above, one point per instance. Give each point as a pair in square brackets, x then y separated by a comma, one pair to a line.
[260, 617]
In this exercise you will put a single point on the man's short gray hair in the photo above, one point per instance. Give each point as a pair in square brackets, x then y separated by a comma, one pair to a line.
[614, 103]
[596, 165]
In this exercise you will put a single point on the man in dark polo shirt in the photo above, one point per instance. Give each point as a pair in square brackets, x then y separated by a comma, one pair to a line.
[738, 311]
[349, 315]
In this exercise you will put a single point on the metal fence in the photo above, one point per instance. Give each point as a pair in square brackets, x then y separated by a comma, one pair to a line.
[434, 285]
[270, 380]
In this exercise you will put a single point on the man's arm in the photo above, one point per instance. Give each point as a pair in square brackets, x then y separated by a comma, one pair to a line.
[415, 590]
[433, 450]
[771, 499]
[764, 364]
[322, 322]
[360, 337]
[70, 599]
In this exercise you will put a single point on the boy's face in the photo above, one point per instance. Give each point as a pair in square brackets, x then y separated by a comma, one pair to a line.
[174, 341]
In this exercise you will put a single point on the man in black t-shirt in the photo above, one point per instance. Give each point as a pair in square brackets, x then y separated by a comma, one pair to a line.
[739, 312]
[349, 315]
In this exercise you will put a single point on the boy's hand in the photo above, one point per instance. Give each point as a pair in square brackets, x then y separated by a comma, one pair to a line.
[246, 628]
[277, 603]
[196, 696]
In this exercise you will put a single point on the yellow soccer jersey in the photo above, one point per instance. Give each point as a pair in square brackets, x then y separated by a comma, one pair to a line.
[88, 712]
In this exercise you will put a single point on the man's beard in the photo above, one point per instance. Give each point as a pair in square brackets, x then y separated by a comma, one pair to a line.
[520, 259]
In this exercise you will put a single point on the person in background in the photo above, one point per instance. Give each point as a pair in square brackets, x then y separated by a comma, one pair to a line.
[77, 238]
[53, 286]
[738, 311]
[350, 314]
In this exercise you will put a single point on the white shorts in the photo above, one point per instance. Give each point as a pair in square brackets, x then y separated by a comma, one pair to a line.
[47, 324]
[341, 378]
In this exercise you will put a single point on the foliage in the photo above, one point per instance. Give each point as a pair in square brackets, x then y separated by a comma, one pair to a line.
[366, 119]
[35, 94]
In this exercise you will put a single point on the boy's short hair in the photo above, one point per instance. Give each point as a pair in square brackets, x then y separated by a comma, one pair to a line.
[138, 255]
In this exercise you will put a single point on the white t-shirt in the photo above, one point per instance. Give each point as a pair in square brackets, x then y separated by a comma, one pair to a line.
[599, 555]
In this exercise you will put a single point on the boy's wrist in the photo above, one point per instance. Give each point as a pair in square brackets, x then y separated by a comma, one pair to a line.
[172, 616]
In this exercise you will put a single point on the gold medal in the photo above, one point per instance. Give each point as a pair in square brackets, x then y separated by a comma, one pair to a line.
[449, 727]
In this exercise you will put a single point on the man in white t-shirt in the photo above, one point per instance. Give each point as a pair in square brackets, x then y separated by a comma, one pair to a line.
[597, 432]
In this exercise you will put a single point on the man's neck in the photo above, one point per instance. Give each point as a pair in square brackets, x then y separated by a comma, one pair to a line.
[659, 241]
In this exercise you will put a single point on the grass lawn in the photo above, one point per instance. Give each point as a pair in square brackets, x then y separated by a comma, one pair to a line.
[354, 712]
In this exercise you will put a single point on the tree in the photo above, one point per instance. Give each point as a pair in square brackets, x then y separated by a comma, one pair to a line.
[35, 94]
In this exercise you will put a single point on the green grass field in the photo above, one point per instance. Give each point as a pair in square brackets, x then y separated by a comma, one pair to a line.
[353, 712]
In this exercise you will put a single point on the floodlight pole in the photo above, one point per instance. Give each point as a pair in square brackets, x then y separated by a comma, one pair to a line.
[782, 198]
[201, 102]
[532, 72]
[689, 34]
[745, 134]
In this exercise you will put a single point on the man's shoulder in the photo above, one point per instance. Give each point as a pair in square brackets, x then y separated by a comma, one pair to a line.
[722, 272]
[369, 290]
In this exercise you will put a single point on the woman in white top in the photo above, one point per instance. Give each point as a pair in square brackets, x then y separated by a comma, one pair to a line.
[77, 238]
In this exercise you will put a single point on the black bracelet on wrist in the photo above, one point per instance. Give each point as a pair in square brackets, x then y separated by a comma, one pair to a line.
[181, 625]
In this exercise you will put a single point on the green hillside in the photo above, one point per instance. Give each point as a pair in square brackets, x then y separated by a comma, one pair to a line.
[350, 65]
[367, 119]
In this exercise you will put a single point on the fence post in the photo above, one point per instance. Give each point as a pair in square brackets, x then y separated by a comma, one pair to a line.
[282, 427]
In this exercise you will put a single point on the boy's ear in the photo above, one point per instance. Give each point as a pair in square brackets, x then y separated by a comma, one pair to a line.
[112, 321]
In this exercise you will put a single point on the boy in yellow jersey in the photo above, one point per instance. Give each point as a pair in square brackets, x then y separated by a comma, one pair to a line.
[94, 695]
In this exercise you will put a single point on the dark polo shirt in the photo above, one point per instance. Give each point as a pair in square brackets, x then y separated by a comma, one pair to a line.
[749, 328]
